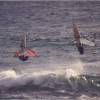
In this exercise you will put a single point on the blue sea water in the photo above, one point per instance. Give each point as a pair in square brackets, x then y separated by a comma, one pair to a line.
[59, 72]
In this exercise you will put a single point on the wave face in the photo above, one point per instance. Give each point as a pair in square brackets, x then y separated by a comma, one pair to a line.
[55, 82]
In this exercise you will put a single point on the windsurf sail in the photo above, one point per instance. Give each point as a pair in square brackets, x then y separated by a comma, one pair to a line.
[87, 42]
[79, 39]
[24, 51]
[27, 52]
[76, 33]
[31, 53]
[17, 53]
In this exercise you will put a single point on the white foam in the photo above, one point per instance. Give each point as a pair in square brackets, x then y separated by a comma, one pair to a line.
[85, 97]
[16, 77]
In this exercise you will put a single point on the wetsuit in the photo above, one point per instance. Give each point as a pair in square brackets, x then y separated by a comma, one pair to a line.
[23, 57]
[80, 48]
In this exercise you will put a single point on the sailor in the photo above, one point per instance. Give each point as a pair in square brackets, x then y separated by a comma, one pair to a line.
[80, 48]
[23, 57]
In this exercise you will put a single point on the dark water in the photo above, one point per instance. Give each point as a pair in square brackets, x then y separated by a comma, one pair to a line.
[59, 73]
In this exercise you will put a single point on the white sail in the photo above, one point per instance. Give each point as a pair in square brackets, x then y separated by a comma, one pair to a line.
[87, 42]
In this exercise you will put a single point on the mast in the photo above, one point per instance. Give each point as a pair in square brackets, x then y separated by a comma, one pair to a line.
[23, 42]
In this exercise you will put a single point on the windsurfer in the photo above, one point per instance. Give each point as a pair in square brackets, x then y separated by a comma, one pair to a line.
[24, 53]
[80, 48]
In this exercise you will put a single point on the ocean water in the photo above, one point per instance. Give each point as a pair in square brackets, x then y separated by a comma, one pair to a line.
[59, 72]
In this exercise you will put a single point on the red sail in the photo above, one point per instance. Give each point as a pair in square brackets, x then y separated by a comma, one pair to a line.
[28, 52]
[76, 32]
[17, 53]
[31, 53]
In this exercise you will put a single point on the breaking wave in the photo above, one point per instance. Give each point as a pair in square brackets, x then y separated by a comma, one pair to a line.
[58, 81]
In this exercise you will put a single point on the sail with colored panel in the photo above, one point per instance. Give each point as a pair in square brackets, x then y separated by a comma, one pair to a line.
[24, 53]
[31, 53]
[80, 39]
[17, 53]
[76, 32]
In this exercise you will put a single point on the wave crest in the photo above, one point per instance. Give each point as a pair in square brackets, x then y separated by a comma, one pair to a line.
[58, 81]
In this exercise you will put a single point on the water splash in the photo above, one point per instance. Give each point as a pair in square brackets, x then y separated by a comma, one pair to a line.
[8, 74]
